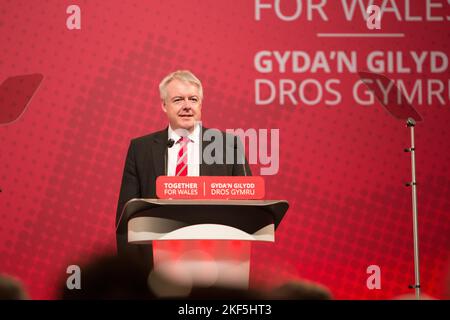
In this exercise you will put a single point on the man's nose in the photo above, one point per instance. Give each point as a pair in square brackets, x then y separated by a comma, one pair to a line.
[186, 104]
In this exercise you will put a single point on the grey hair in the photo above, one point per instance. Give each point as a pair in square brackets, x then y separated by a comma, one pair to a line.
[182, 75]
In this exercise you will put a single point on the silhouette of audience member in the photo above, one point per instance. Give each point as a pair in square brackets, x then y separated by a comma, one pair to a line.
[11, 289]
[300, 290]
[111, 278]
[121, 277]
[225, 293]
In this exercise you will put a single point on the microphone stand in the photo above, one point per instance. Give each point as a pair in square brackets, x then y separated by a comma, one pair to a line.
[240, 151]
[169, 144]
[411, 124]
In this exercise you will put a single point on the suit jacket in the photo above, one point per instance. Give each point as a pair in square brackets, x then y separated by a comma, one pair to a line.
[146, 160]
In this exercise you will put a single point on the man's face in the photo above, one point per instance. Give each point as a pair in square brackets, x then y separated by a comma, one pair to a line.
[183, 105]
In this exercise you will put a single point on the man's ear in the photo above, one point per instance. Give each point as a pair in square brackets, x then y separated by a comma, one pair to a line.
[163, 106]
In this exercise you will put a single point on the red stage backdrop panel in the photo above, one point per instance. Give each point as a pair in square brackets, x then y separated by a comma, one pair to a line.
[264, 64]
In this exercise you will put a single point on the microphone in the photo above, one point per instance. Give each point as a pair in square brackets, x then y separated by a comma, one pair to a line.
[410, 122]
[169, 144]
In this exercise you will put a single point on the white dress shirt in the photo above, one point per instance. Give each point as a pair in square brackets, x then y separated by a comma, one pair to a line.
[193, 152]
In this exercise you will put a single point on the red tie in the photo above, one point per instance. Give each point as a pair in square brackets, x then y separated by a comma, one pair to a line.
[182, 163]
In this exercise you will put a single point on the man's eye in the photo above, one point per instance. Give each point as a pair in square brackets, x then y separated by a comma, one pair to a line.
[194, 99]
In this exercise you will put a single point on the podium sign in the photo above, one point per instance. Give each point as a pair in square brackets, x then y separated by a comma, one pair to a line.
[206, 187]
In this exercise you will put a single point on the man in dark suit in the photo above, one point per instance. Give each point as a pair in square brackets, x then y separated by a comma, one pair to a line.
[179, 149]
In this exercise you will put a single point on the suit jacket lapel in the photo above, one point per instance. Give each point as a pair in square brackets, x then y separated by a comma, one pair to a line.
[159, 152]
[205, 169]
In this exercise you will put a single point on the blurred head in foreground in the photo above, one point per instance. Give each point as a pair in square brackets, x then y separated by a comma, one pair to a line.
[11, 289]
[300, 290]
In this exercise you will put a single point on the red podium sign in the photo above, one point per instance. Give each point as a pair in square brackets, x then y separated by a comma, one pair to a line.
[210, 187]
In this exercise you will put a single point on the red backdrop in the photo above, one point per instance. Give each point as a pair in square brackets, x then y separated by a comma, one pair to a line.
[342, 167]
